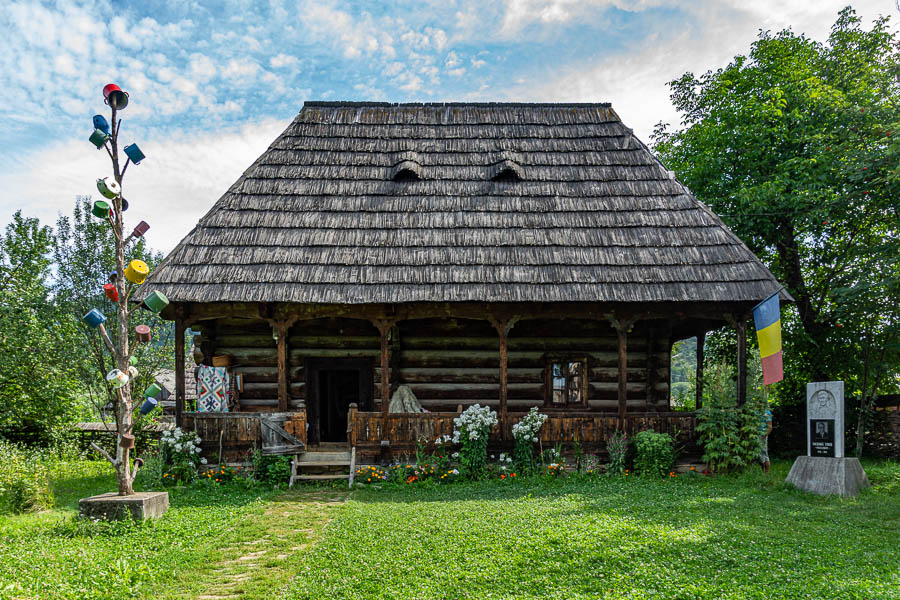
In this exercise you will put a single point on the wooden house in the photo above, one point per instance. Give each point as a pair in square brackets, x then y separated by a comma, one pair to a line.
[513, 255]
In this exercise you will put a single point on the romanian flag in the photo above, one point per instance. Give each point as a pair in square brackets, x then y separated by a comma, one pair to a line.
[767, 317]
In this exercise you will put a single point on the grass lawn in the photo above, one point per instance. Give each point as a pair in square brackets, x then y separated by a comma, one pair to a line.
[690, 537]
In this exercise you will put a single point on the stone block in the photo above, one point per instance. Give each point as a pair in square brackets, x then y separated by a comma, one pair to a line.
[139, 506]
[826, 476]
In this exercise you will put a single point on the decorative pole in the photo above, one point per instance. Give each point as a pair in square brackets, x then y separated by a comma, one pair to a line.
[122, 283]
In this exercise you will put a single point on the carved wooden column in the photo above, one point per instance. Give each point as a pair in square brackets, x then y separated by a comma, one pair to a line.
[384, 328]
[179, 367]
[701, 340]
[622, 325]
[503, 327]
[284, 372]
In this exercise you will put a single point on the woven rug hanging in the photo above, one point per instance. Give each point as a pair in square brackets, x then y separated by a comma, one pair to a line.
[213, 386]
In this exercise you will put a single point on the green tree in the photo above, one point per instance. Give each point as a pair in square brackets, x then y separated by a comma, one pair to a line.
[795, 146]
[38, 386]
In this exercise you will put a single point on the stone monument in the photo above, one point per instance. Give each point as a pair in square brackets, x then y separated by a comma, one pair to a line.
[825, 470]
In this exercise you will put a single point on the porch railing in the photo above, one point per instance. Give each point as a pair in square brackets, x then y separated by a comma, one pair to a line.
[586, 428]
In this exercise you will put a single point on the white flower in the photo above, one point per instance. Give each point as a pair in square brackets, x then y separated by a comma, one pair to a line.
[202, 461]
[178, 447]
[455, 472]
[534, 439]
[455, 455]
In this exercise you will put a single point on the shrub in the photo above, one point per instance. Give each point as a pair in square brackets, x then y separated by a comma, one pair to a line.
[24, 480]
[654, 453]
[274, 470]
[729, 434]
[180, 452]
[525, 433]
[471, 432]
[617, 448]
[150, 475]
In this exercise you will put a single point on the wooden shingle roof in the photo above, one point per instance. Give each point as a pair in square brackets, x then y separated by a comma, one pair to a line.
[589, 215]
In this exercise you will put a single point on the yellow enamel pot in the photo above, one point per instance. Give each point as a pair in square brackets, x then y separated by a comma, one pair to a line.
[136, 272]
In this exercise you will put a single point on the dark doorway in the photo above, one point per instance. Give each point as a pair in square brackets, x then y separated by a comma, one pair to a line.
[333, 385]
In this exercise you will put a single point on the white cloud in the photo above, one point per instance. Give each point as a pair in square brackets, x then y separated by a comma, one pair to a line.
[282, 60]
[122, 34]
[177, 183]
[635, 79]
[202, 67]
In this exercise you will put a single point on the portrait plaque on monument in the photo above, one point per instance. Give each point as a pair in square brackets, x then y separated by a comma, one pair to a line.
[825, 417]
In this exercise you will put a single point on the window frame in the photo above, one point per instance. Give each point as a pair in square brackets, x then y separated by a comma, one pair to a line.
[549, 361]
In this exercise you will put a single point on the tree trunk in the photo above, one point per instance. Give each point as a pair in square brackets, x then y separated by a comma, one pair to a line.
[789, 257]
[124, 409]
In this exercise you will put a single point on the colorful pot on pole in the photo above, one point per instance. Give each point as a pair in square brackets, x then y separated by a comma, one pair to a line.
[152, 390]
[94, 318]
[124, 204]
[114, 96]
[98, 138]
[127, 441]
[111, 292]
[101, 123]
[132, 371]
[155, 302]
[109, 187]
[141, 229]
[149, 404]
[136, 272]
[134, 153]
[133, 361]
[142, 333]
[113, 276]
[101, 209]
[117, 378]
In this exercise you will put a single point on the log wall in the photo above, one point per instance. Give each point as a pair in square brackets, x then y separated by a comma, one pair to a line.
[449, 362]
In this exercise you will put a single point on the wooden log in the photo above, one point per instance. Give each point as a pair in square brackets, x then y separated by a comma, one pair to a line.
[384, 328]
[701, 340]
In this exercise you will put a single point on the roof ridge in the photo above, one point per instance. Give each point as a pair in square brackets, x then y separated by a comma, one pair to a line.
[373, 104]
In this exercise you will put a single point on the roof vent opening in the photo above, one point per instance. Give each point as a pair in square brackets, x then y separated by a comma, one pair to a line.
[507, 171]
[406, 171]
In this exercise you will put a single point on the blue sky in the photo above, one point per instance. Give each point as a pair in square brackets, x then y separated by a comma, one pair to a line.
[213, 83]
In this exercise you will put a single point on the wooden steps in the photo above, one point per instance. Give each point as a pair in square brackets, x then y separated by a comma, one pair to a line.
[325, 463]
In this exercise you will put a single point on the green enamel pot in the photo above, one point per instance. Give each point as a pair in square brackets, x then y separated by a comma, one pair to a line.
[100, 209]
[156, 301]
[98, 138]
[152, 391]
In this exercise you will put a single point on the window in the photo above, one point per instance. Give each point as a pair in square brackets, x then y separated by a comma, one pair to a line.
[507, 171]
[567, 381]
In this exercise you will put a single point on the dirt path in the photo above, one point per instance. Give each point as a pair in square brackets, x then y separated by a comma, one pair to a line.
[259, 554]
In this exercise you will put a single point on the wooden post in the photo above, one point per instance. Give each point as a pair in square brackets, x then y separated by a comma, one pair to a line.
[283, 368]
[351, 430]
[652, 360]
[384, 328]
[503, 327]
[741, 326]
[179, 369]
[701, 339]
[622, 335]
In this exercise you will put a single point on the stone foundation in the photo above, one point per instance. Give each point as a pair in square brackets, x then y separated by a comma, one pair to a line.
[112, 507]
[826, 476]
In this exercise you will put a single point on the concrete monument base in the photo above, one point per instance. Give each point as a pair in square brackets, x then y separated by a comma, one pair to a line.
[111, 507]
[825, 476]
